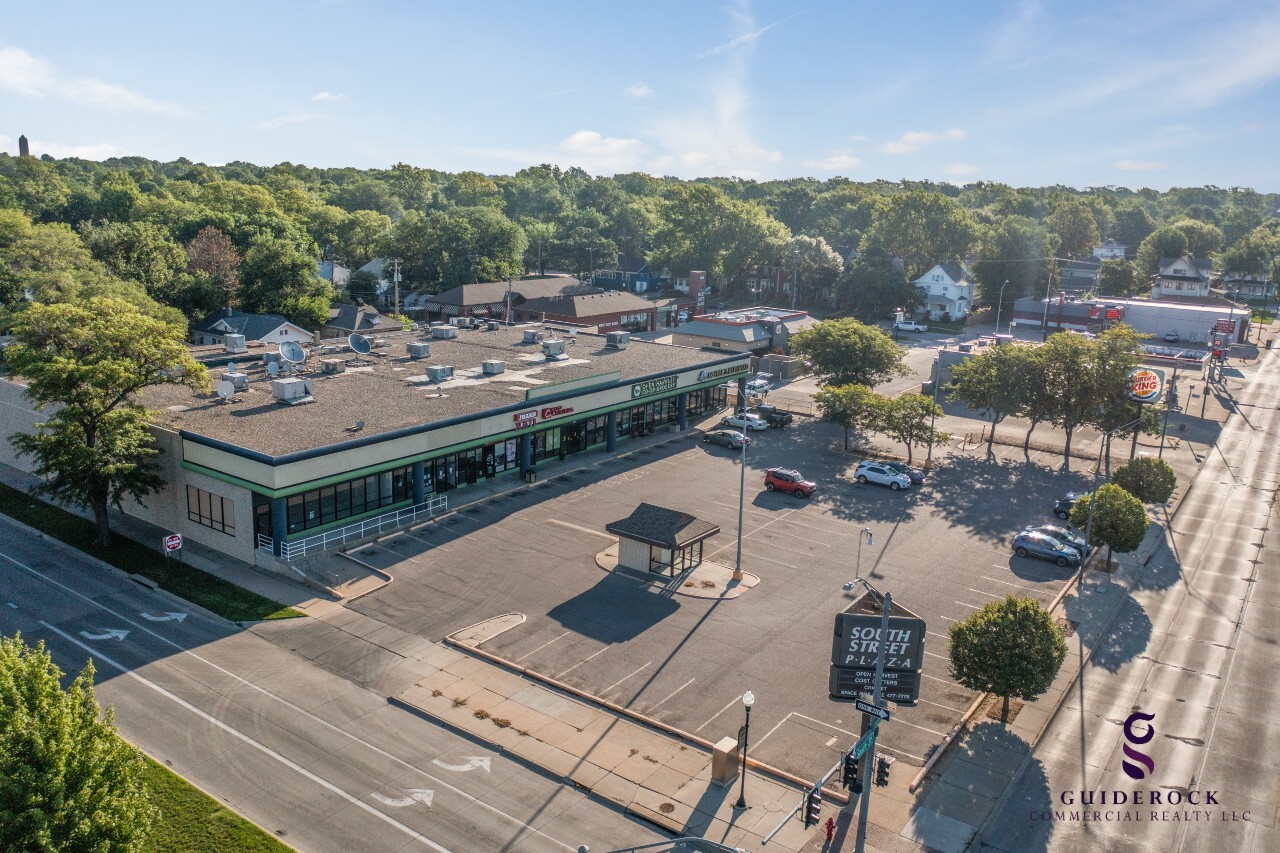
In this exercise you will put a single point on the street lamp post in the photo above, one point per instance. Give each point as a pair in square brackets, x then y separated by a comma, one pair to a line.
[933, 413]
[748, 699]
[1093, 497]
[1000, 305]
[1170, 400]
[1044, 325]
[742, 497]
[865, 533]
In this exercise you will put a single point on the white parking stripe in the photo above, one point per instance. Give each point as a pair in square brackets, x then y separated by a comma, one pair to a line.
[541, 647]
[734, 701]
[673, 693]
[624, 678]
[580, 663]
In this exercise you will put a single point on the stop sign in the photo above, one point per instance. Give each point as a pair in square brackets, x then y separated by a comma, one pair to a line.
[173, 542]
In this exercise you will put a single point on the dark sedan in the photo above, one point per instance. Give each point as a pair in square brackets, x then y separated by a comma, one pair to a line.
[1066, 535]
[726, 437]
[916, 475]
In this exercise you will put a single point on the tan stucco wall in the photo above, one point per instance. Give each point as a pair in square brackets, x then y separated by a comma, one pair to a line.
[633, 554]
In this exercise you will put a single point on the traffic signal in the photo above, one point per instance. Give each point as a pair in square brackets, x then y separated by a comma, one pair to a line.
[883, 763]
[813, 806]
[850, 773]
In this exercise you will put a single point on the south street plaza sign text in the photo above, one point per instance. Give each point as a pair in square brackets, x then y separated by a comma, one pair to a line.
[857, 642]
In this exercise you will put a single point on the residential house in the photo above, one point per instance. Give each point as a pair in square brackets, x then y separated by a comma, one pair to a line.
[335, 273]
[1078, 277]
[490, 298]
[1181, 278]
[268, 328]
[946, 290]
[358, 319]
[1109, 249]
[1247, 286]
[755, 330]
[608, 311]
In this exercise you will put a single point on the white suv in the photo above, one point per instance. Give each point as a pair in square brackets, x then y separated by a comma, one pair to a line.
[745, 422]
[910, 326]
[877, 472]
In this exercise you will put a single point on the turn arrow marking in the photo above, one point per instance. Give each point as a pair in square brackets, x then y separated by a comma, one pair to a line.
[110, 634]
[473, 761]
[416, 795]
[166, 617]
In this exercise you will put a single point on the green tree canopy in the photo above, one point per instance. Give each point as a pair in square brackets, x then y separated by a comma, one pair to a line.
[1166, 242]
[1010, 648]
[853, 407]
[67, 782]
[1149, 480]
[1074, 223]
[922, 229]
[137, 250]
[91, 362]
[1119, 519]
[1118, 277]
[909, 418]
[276, 278]
[874, 284]
[846, 352]
[994, 382]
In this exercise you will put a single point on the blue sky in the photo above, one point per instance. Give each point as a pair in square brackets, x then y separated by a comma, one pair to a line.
[1083, 93]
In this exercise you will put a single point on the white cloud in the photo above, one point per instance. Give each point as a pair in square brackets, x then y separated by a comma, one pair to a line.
[745, 38]
[960, 170]
[287, 121]
[913, 140]
[1013, 39]
[331, 97]
[860, 137]
[101, 151]
[638, 89]
[834, 163]
[602, 154]
[28, 75]
[1139, 165]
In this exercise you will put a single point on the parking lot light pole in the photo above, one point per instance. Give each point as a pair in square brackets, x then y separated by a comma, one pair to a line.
[864, 533]
[742, 498]
[933, 413]
[748, 699]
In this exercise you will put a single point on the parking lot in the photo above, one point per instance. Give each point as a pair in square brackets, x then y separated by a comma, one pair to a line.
[941, 549]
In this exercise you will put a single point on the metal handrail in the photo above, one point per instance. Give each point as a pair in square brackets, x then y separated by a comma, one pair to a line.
[676, 845]
[290, 551]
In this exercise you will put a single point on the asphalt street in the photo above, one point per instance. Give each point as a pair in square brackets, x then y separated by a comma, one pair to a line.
[321, 762]
[943, 551]
[1194, 646]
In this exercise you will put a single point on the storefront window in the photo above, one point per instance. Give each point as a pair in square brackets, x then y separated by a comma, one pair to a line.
[344, 500]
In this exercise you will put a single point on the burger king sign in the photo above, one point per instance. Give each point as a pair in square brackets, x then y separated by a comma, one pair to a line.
[1145, 384]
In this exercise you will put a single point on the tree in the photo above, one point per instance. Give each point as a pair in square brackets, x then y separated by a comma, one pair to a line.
[1149, 480]
[815, 265]
[994, 383]
[922, 229]
[1166, 242]
[1067, 376]
[874, 284]
[1119, 519]
[67, 781]
[1118, 277]
[846, 352]
[213, 253]
[276, 278]
[91, 362]
[909, 419]
[363, 285]
[854, 407]
[1016, 250]
[1203, 238]
[1251, 256]
[1011, 648]
[137, 250]
[1133, 224]
[1074, 223]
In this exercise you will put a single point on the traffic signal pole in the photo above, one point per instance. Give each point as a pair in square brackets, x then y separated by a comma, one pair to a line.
[865, 803]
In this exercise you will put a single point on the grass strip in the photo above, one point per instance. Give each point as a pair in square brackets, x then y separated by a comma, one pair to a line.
[210, 592]
[192, 821]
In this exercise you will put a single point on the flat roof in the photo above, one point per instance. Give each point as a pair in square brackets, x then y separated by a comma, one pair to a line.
[389, 391]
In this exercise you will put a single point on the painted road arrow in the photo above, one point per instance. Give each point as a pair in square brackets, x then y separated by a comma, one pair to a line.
[165, 617]
[416, 795]
[110, 634]
[473, 761]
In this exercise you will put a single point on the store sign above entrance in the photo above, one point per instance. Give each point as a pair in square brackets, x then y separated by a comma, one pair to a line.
[722, 372]
[533, 416]
[653, 386]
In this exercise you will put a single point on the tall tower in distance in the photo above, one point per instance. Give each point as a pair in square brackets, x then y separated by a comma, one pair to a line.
[24, 150]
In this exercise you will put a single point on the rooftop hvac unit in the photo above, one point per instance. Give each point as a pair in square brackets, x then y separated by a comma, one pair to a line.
[617, 340]
[292, 391]
[439, 372]
[240, 381]
[333, 365]
[444, 332]
[329, 350]
[464, 322]
[234, 343]
[532, 336]
[418, 349]
[381, 342]
[493, 366]
[553, 349]
[494, 325]
[272, 357]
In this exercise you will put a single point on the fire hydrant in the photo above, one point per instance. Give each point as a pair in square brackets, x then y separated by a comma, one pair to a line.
[831, 829]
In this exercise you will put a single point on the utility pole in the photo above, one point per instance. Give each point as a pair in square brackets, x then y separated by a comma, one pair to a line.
[395, 278]
[867, 768]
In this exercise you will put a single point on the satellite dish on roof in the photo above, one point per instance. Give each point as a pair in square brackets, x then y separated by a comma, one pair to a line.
[359, 344]
[225, 390]
[273, 368]
[232, 367]
[291, 352]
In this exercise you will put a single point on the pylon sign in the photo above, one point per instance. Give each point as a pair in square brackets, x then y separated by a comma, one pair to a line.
[855, 650]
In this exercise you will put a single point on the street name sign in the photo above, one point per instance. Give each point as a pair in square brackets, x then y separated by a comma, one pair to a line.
[873, 710]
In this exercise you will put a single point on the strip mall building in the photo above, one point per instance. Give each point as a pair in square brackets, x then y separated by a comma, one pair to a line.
[353, 437]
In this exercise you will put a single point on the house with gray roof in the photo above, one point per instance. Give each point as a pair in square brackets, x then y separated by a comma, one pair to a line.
[1181, 278]
[489, 298]
[608, 310]
[946, 289]
[268, 328]
[358, 319]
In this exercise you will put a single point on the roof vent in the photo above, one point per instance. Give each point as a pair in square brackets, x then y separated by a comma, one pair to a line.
[531, 336]
[494, 325]
[333, 365]
[493, 366]
[444, 332]
[271, 357]
[295, 392]
[329, 350]
[234, 343]
[439, 372]
[381, 342]
[553, 349]
[239, 381]
[418, 349]
[617, 340]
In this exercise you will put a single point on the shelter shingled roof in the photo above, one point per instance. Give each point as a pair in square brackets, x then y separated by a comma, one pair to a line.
[666, 528]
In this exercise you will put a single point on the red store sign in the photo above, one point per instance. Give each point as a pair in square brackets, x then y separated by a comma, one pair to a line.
[524, 419]
[531, 417]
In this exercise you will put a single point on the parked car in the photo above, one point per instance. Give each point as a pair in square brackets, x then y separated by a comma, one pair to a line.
[916, 475]
[1171, 337]
[1062, 507]
[910, 326]
[726, 437]
[772, 415]
[789, 480]
[1028, 543]
[877, 472]
[744, 421]
[1066, 535]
